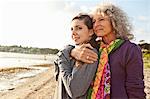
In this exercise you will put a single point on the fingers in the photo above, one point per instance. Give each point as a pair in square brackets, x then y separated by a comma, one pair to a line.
[76, 53]
[92, 54]
[88, 46]
[88, 61]
[82, 52]
[92, 59]
[88, 56]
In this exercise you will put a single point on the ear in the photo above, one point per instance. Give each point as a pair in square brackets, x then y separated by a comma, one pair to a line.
[91, 32]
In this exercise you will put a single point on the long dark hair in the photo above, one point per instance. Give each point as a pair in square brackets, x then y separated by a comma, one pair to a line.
[88, 21]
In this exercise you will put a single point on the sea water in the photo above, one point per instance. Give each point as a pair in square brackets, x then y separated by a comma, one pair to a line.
[9, 81]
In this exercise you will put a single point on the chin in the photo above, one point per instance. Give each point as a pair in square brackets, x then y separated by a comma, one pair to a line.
[99, 35]
[76, 43]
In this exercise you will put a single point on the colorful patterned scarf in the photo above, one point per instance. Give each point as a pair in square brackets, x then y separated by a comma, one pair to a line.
[100, 88]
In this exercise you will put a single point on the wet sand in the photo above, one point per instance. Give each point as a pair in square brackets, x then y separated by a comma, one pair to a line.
[42, 86]
[39, 86]
[10, 78]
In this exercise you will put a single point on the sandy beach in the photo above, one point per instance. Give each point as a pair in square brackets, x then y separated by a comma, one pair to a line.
[42, 86]
[36, 82]
[23, 75]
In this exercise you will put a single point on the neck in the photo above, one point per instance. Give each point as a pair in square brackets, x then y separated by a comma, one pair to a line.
[82, 43]
[109, 38]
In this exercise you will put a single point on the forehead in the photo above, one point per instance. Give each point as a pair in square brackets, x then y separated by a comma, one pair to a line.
[77, 22]
[97, 15]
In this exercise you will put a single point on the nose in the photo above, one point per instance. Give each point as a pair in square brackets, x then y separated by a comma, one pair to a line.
[74, 33]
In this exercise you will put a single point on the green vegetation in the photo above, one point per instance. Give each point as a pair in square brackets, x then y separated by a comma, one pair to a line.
[146, 57]
[146, 53]
[28, 50]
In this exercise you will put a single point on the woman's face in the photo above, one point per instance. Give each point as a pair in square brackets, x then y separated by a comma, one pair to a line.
[102, 25]
[80, 32]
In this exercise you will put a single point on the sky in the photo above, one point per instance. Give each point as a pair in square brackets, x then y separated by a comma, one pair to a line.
[46, 23]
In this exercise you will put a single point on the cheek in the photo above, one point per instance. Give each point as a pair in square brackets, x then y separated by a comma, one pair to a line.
[85, 35]
[109, 27]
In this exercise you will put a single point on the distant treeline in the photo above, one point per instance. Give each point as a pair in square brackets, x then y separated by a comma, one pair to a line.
[34, 50]
[145, 46]
[146, 50]
[28, 50]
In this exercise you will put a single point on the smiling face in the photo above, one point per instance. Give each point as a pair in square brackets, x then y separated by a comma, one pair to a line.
[80, 32]
[102, 25]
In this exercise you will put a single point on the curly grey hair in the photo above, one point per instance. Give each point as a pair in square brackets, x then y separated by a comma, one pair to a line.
[118, 18]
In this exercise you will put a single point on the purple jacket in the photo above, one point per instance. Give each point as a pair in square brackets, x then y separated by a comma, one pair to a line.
[127, 72]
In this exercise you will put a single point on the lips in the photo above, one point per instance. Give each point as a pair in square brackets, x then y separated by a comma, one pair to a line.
[75, 38]
[96, 30]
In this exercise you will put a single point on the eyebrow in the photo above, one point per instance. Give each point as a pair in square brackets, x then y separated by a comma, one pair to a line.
[98, 19]
[101, 18]
[77, 26]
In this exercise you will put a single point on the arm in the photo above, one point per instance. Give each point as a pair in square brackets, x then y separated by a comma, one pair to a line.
[134, 73]
[82, 52]
[77, 79]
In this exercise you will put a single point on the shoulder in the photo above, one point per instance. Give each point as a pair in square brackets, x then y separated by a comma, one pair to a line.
[65, 50]
[130, 46]
[131, 50]
[128, 50]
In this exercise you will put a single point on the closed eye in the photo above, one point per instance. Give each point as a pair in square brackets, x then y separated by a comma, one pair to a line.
[100, 19]
[94, 21]
[80, 28]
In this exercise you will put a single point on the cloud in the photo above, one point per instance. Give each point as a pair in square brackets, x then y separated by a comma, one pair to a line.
[27, 0]
[141, 34]
[70, 7]
[39, 24]
[84, 8]
[140, 31]
[143, 18]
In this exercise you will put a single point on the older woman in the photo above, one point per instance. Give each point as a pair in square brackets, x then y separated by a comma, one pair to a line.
[120, 71]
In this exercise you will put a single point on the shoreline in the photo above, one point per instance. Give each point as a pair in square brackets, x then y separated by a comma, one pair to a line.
[32, 84]
[42, 86]
[12, 77]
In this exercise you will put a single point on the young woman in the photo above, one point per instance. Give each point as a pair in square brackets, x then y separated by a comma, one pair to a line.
[74, 76]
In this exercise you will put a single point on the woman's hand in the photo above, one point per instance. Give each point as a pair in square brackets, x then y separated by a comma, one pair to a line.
[84, 53]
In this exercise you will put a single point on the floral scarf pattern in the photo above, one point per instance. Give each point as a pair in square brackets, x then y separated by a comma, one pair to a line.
[100, 87]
